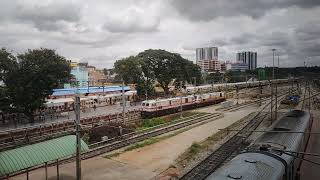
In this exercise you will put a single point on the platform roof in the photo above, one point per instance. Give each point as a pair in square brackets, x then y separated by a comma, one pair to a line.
[71, 91]
[37, 154]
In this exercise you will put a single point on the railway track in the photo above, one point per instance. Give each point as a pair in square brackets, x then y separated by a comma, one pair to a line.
[240, 106]
[236, 143]
[243, 105]
[143, 136]
[14, 138]
[105, 148]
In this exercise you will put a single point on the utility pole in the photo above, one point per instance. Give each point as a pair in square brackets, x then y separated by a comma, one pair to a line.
[180, 99]
[246, 82]
[78, 140]
[271, 104]
[273, 51]
[309, 85]
[260, 97]
[276, 98]
[237, 90]
[212, 85]
[278, 61]
[123, 103]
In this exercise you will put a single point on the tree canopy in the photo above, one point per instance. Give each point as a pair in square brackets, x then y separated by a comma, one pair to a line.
[157, 65]
[29, 78]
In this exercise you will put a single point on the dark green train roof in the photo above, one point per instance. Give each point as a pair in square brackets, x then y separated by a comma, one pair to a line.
[36, 154]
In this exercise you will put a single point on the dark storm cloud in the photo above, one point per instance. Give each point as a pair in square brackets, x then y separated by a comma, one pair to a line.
[205, 10]
[49, 17]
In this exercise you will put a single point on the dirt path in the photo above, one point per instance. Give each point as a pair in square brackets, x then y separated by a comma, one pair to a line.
[160, 156]
[146, 162]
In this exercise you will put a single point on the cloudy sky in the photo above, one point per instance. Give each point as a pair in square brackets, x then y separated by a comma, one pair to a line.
[102, 31]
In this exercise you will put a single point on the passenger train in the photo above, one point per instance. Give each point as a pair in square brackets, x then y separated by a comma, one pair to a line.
[271, 156]
[240, 85]
[66, 104]
[159, 107]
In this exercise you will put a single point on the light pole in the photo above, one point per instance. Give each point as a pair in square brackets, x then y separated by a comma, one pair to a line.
[123, 102]
[273, 51]
[180, 99]
[78, 138]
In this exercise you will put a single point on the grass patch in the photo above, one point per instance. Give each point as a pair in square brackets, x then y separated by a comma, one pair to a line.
[153, 140]
[194, 148]
[142, 143]
[147, 124]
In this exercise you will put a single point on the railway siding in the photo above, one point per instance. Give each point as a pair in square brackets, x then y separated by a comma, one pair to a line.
[235, 143]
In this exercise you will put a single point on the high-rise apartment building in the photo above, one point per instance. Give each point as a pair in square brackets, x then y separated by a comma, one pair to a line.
[249, 58]
[207, 59]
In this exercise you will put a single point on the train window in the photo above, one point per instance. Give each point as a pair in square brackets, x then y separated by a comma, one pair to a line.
[220, 94]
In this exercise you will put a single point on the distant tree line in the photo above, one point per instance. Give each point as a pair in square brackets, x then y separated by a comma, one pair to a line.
[157, 67]
[28, 78]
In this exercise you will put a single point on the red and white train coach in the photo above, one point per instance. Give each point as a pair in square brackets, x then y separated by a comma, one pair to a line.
[159, 107]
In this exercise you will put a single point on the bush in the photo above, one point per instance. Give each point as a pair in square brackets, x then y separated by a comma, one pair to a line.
[152, 122]
[194, 148]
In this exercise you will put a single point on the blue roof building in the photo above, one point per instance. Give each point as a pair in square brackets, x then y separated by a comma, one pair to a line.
[90, 90]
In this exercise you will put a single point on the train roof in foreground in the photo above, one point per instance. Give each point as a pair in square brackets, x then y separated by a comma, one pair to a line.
[264, 158]
[250, 166]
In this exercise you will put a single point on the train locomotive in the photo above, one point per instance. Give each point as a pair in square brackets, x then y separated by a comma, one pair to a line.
[160, 107]
[271, 155]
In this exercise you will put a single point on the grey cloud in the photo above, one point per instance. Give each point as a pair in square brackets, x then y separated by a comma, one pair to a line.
[221, 42]
[49, 17]
[207, 10]
[131, 21]
[131, 27]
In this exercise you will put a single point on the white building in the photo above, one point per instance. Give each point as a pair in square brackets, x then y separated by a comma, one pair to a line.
[207, 59]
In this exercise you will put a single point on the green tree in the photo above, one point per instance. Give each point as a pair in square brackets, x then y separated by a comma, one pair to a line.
[31, 78]
[167, 67]
[159, 65]
[129, 69]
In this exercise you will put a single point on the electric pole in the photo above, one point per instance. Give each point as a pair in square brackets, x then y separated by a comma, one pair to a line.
[78, 141]
[260, 100]
[180, 99]
[237, 90]
[276, 98]
[271, 104]
[273, 50]
[123, 103]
